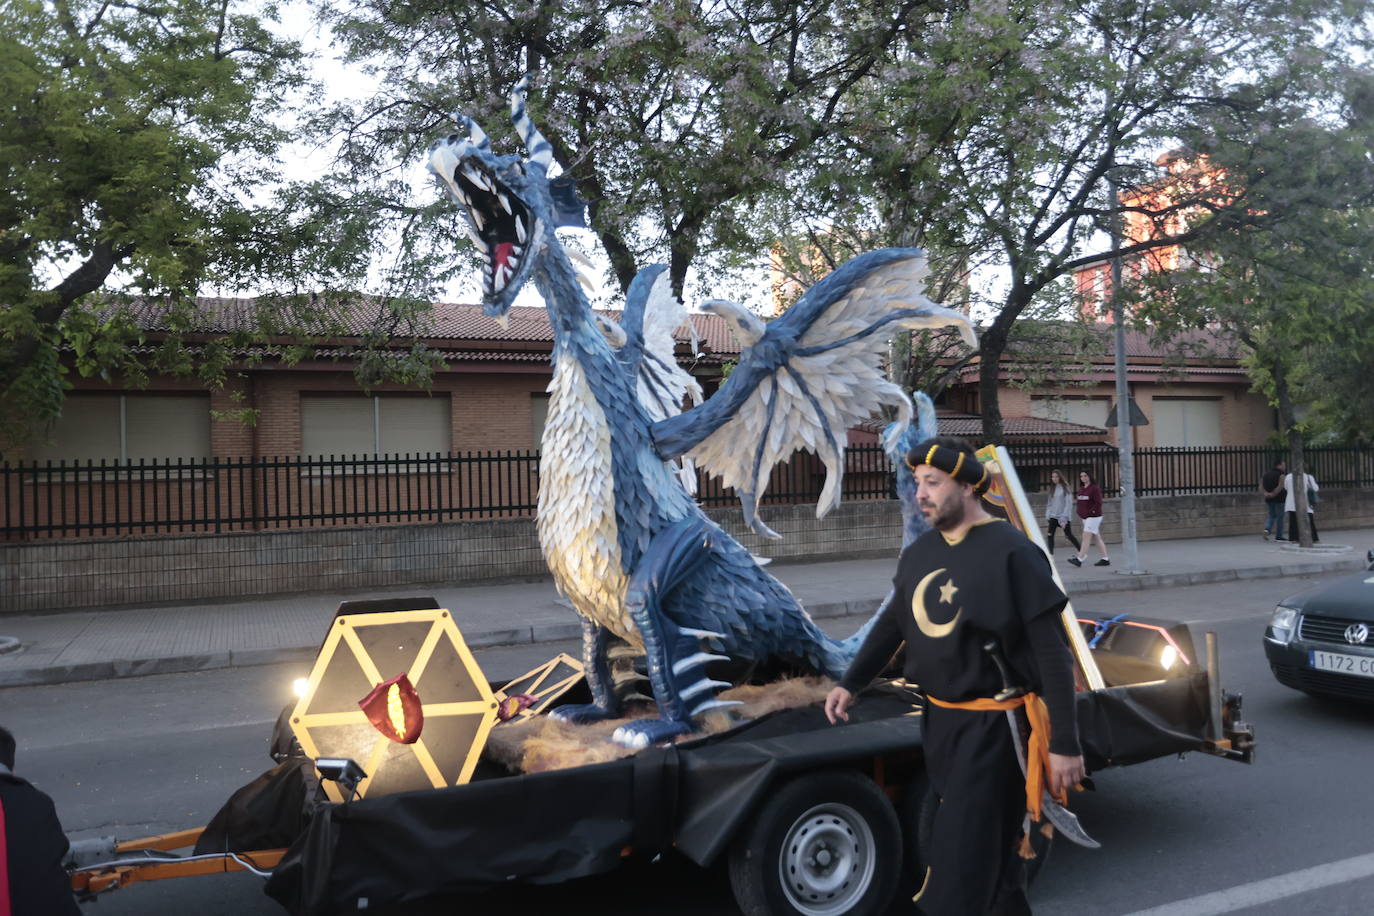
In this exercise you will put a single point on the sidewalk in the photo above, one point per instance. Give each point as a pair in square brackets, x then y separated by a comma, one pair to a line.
[96, 645]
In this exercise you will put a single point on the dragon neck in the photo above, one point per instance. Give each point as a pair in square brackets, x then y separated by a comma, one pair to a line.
[570, 312]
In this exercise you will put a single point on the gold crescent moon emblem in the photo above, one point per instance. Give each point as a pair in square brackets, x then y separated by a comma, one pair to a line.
[918, 610]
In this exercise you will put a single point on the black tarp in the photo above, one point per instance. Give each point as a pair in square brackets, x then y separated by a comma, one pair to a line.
[556, 826]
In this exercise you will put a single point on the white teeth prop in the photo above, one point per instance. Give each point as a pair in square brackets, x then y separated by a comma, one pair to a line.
[504, 203]
[476, 239]
[520, 230]
[477, 218]
[586, 284]
[517, 249]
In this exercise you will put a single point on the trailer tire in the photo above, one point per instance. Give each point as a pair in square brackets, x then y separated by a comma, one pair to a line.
[835, 837]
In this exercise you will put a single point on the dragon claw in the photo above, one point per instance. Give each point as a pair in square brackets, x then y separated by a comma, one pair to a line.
[714, 704]
[641, 733]
[581, 713]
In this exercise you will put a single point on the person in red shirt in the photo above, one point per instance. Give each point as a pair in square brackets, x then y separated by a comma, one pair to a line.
[1090, 510]
[32, 846]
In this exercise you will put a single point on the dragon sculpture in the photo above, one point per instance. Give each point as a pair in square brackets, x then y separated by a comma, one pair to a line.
[624, 539]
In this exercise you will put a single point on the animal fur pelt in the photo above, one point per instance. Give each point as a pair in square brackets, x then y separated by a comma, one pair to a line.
[543, 743]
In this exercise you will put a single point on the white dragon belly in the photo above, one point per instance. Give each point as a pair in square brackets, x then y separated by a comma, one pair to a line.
[576, 520]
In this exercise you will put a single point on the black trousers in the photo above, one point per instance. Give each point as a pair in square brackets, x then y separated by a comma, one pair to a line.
[1068, 533]
[1293, 526]
[974, 866]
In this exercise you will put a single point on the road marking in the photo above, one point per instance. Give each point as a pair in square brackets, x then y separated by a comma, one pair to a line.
[1258, 893]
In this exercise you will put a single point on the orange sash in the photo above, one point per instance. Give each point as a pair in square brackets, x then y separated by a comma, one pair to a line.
[1038, 751]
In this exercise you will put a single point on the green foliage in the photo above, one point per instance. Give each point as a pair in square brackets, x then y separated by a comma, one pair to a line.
[138, 145]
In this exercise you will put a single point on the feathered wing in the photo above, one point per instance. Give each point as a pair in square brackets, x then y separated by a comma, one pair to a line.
[815, 372]
[652, 314]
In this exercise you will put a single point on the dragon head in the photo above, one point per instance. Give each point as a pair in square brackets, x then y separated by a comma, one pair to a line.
[510, 204]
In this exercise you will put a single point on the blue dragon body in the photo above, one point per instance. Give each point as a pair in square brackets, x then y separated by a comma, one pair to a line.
[623, 538]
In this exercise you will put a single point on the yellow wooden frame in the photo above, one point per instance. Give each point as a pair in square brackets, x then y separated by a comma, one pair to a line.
[544, 694]
[343, 636]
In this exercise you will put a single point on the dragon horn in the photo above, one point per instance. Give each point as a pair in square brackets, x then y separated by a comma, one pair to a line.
[539, 149]
[476, 136]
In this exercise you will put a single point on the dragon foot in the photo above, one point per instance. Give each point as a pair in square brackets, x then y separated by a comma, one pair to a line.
[582, 713]
[641, 733]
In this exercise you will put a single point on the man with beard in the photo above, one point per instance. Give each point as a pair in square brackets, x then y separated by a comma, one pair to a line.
[974, 579]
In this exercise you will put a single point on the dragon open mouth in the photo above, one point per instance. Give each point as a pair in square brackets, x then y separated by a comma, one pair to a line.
[500, 225]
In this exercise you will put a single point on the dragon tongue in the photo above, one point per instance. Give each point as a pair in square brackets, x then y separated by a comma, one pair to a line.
[501, 253]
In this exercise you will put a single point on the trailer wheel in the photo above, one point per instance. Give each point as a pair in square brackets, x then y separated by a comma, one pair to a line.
[825, 844]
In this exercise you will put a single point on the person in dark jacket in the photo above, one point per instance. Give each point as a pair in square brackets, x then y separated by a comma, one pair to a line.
[1271, 486]
[32, 879]
[1090, 510]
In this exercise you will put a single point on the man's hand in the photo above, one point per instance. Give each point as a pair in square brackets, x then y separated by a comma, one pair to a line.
[1065, 772]
[837, 705]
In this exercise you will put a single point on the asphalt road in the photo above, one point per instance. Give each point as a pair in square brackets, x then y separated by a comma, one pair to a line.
[1180, 837]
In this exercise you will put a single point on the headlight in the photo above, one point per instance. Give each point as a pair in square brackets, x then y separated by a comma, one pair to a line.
[1283, 623]
[300, 685]
[1167, 656]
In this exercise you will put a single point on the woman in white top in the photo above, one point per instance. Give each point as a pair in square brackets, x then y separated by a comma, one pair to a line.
[1290, 505]
[1059, 510]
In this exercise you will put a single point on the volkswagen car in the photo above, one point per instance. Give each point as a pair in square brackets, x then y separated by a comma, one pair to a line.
[1321, 641]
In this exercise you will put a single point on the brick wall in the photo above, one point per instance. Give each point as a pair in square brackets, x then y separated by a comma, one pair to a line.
[60, 576]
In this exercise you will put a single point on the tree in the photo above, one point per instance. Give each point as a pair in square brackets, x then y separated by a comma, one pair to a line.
[134, 139]
[671, 115]
[1296, 288]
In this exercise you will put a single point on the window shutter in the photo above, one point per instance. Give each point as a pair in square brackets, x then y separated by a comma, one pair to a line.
[167, 426]
[415, 425]
[336, 425]
[87, 429]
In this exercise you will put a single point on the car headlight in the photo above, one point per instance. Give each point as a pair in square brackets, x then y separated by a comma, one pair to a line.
[1283, 623]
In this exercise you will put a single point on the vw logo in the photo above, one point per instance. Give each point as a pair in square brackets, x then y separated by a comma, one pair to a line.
[1356, 634]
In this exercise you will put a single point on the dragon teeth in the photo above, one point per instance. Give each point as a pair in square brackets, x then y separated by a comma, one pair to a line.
[517, 249]
[520, 230]
[478, 219]
[504, 202]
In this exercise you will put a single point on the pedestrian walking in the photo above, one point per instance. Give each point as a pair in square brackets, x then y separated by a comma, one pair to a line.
[1271, 486]
[1290, 506]
[973, 581]
[1059, 510]
[32, 846]
[1089, 501]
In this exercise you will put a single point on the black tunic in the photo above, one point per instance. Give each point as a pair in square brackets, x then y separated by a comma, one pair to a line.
[38, 884]
[949, 600]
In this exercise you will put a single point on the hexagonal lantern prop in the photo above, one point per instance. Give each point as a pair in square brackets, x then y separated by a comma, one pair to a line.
[400, 693]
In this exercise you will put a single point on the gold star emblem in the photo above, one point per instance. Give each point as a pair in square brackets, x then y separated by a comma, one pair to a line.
[947, 592]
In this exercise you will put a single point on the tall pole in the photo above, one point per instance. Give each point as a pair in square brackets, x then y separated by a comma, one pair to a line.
[1124, 432]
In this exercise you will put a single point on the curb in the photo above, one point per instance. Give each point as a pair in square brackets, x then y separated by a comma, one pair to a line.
[557, 632]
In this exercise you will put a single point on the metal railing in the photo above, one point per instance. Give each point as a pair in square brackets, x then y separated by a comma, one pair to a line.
[121, 499]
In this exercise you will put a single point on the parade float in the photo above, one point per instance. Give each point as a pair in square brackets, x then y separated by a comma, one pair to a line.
[692, 723]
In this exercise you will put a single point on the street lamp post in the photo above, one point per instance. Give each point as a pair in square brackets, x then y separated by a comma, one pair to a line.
[1125, 434]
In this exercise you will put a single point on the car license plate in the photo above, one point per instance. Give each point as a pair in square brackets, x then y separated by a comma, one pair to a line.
[1362, 665]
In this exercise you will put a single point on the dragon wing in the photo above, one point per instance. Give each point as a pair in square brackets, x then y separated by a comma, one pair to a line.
[807, 376]
[652, 314]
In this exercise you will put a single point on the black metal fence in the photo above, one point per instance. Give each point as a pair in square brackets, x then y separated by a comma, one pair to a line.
[113, 499]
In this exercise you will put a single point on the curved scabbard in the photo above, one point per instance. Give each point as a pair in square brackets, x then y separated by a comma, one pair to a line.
[1064, 820]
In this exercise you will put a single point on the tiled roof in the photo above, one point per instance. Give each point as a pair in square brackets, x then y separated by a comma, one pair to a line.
[1015, 427]
[971, 426]
[446, 321]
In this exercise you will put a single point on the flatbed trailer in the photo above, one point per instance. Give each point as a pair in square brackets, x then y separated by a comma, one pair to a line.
[812, 819]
